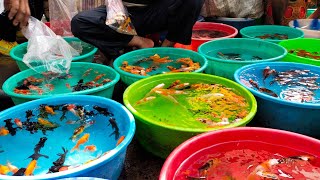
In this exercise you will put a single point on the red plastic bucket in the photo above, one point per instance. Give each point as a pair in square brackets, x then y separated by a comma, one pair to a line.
[196, 42]
[262, 138]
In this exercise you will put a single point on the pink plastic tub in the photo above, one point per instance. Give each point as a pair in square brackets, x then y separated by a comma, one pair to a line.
[196, 42]
[271, 140]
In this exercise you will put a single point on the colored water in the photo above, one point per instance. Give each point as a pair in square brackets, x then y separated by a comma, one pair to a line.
[236, 160]
[19, 147]
[208, 34]
[85, 48]
[160, 67]
[195, 109]
[281, 90]
[244, 54]
[61, 86]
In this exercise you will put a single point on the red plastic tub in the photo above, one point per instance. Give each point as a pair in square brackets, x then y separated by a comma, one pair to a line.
[271, 140]
[196, 42]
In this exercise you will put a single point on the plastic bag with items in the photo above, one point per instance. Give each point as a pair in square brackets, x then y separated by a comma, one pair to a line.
[118, 17]
[46, 48]
[61, 13]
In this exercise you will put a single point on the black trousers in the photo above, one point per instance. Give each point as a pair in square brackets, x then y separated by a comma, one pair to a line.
[175, 16]
[8, 30]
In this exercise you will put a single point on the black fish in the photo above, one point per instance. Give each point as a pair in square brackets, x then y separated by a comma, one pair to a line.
[114, 126]
[62, 159]
[80, 86]
[43, 113]
[36, 156]
[40, 144]
[103, 111]
[9, 126]
[64, 111]
[20, 172]
[29, 114]
[54, 169]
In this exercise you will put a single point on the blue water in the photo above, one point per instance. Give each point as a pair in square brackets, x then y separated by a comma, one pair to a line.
[257, 75]
[18, 148]
[245, 54]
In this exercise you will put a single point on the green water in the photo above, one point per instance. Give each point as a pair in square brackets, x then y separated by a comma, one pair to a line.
[183, 110]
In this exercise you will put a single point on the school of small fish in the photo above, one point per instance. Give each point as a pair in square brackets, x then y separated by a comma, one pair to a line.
[306, 54]
[41, 122]
[32, 85]
[275, 36]
[300, 84]
[186, 65]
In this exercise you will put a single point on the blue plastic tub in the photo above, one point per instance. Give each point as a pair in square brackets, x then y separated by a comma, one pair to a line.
[278, 113]
[87, 54]
[255, 31]
[110, 157]
[247, 48]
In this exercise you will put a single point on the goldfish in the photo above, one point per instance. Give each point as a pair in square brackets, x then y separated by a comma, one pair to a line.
[87, 72]
[68, 86]
[30, 168]
[12, 168]
[49, 110]
[50, 86]
[63, 168]
[203, 170]
[98, 77]
[4, 131]
[77, 132]
[91, 148]
[71, 108]
[18, 122]
[46, 123]
[82, 140]
[120, 140]
[4, 170]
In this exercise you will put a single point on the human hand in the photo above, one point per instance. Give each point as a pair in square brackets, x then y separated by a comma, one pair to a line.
[19, 11]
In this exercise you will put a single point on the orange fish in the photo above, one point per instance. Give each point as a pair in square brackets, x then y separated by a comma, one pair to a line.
[4, 131]
[12, 168]
[36, 88]
[71, 108]
[49, 110]
[4, 170]
[68, 86]
[82, 140]
[30, 168]
[50, 86]
[18, 122]
[120, 140]
[63, 168]
[91, 148]
[99, 77]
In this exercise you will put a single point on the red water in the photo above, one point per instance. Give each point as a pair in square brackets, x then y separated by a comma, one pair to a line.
[237, 160]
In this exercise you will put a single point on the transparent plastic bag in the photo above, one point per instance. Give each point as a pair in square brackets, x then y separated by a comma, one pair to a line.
[118, 17]
[46, 48]
[61, 13]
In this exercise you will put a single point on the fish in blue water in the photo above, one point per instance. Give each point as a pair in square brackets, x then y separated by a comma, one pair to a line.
[59, 163]
[37, 149]
[114, 125]
[103, 111]
[20, 172]
[10, 128]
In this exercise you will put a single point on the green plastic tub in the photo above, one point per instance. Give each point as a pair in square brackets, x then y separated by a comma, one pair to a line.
[311, 45]
[77, 70]
[87, 54]
[160, 138]
[254, 31]
[269, 52]
[173, 53]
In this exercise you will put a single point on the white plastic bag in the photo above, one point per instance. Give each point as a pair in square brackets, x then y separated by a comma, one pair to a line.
[61, 13]
[46, 48]
[233, 8]
[118, 17]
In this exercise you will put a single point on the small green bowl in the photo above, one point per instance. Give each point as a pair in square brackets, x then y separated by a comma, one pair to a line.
[159, 138]
[311, 45]
[173, 53]
[19, 51]
[76, 67]
[254, 31]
